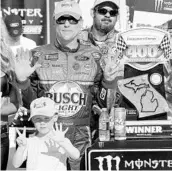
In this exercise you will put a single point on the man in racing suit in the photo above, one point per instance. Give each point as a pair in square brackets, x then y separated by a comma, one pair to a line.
[65, 71]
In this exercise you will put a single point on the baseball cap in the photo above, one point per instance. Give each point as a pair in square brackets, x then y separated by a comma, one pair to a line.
[14, 24]
[98, 2]
[67, 7]
[42, 106]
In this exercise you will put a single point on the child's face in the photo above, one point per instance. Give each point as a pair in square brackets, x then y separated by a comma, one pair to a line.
[44, 124]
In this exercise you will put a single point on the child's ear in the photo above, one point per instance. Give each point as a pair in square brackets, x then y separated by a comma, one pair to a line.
[55, 117]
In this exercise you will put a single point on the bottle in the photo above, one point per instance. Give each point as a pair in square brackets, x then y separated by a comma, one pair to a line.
[104, 132]
[120, 123]
[112, 122]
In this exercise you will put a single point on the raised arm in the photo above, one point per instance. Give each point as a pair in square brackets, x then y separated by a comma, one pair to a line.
[26, 77]
[20, 154]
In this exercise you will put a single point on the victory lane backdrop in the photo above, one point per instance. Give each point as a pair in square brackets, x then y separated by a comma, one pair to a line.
[34, 17]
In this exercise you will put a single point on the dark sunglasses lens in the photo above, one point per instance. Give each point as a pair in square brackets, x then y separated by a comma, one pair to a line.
[104, 11]
[71, 20]
[60, 21]
[113, 13]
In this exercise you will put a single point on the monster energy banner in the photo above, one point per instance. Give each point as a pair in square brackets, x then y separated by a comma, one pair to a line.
[151, 12]
[130, 159]
[33, 14]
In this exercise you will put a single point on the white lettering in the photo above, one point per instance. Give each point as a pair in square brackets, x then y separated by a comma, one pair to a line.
[129, 164]
[139, 163]
[30, 21]
[144, 129]
[24, 12]
[147, 164]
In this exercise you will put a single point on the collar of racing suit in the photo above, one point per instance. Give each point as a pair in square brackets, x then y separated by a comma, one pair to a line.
[93, 40]
[66, 49]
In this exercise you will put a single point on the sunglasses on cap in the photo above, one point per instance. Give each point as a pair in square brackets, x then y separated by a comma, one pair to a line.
[70, 19]
[103, 11]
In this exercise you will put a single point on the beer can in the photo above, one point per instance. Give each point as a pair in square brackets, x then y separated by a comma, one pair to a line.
[120, 123]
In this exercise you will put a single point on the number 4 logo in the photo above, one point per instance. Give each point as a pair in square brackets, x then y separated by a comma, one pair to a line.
[108, 160]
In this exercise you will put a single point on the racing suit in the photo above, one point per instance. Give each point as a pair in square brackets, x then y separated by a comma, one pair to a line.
[67, 76]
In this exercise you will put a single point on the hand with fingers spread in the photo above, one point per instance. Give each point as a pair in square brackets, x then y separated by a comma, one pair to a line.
[22, 64]
[58, 134]
[21, 140]
[112, 66]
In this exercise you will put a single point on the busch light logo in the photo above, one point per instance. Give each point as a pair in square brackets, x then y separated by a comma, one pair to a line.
[158, 5]
[68, 96]
[108, 162]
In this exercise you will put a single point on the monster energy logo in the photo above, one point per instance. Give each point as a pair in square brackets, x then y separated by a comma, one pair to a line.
[158, 5]
[108, 160]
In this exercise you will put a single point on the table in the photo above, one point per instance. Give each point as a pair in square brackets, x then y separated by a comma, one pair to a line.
[140, 154]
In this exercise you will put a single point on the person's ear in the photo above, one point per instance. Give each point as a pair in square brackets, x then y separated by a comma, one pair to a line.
[54, 21]
[117, 17]
[92, 12]
[81, 23]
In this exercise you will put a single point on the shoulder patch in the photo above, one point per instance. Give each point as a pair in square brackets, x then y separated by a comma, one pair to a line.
[37, 54]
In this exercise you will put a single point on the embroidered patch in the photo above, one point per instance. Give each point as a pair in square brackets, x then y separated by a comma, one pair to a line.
[52, 57]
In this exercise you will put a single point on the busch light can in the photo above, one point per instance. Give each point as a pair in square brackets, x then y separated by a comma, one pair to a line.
[120, 123]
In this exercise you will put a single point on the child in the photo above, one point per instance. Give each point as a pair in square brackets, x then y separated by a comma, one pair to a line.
[48, 149]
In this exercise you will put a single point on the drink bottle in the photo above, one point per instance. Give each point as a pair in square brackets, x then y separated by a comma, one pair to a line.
[104, 132]
[120, 123]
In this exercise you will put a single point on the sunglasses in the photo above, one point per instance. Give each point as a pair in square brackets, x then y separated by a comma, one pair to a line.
[38, 119]
[103, 11]
[70, 19]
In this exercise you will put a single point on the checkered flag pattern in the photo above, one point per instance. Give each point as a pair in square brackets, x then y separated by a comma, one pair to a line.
[121, 45]
[165, 46]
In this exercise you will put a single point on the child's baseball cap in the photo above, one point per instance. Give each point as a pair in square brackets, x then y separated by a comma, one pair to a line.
[67, 7]
[42, 106]
[14, 25]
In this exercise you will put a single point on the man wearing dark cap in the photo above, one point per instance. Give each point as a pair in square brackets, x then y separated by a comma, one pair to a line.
[105, 15]
[15, 29]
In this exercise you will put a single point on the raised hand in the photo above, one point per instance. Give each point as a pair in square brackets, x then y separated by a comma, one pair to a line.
[58, 135]
[21, 140]
[112, 66]
[22, 64]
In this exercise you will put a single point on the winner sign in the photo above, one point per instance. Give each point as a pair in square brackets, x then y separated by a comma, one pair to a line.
[145, 55]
